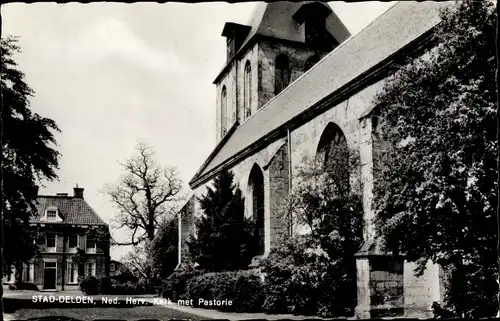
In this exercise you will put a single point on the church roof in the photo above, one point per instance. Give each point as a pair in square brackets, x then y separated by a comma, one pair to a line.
[275, 19]
[392, 31]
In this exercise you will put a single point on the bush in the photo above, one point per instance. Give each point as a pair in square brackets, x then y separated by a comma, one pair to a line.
[174, 286]
[472, 292]
[124, 276]
[23, 286]
[90, 285]
[109, 285]
[105, 285]
[300, 278]
[243, 288]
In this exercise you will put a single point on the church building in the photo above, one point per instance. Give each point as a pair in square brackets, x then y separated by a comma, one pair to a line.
[296, 82]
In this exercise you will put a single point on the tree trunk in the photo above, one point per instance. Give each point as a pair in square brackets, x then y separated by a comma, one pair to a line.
[498, 147]
[457, 286]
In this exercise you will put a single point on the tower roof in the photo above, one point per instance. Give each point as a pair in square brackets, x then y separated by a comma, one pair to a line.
[276, 19]
[282, 20]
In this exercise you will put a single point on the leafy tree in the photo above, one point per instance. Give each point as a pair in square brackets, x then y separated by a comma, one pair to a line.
[329, 207]
[139, 263]
[146, 194]
[437, 157]
[163, 250]
[225, 240]
[28, 158]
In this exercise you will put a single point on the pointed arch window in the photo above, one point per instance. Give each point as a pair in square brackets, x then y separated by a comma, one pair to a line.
[247, 91]
[333, 156]
[282, 73]
[223, 110]
[256, 184]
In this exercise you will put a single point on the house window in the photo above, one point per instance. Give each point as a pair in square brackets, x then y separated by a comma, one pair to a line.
[90, 269]
[223, 110]
[51, 215]
[282, 73]
[91, 244]
[247, 91]
[50, 242]
[112, 267]
[72, 243]
[30, 273]
[71, 273]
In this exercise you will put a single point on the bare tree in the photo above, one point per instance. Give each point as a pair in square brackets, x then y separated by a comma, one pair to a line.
[146, 194]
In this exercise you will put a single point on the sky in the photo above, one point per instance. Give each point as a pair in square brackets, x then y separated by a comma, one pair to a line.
[112, 73]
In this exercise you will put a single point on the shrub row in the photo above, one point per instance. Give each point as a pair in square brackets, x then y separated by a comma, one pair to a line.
[23, 286]
[235, 291]
[242, 288]
[109, 285]
[300, 278]
[174, 286]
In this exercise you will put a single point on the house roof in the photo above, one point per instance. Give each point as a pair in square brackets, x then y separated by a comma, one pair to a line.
[275, 19]
[397, 27]
[74, 210]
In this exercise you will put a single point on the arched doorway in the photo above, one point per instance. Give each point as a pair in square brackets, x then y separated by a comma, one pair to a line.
[256, 184]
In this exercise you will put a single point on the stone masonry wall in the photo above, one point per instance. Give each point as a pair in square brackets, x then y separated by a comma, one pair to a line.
[186, 228]
[278, 193]
[422, 291]
[267, 55]
[386, 286]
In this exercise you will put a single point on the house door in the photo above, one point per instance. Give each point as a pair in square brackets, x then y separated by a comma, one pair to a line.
[49, 276]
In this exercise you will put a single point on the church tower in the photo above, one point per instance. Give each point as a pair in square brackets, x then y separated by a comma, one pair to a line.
[281, 41]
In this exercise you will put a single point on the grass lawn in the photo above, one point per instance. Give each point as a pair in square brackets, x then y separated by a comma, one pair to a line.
[92, 313]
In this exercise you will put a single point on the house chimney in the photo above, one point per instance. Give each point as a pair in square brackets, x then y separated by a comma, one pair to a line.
[77, 192]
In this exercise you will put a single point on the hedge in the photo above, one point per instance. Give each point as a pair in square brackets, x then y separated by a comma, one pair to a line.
[174, 287]
[243, 289]
[109, 285]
